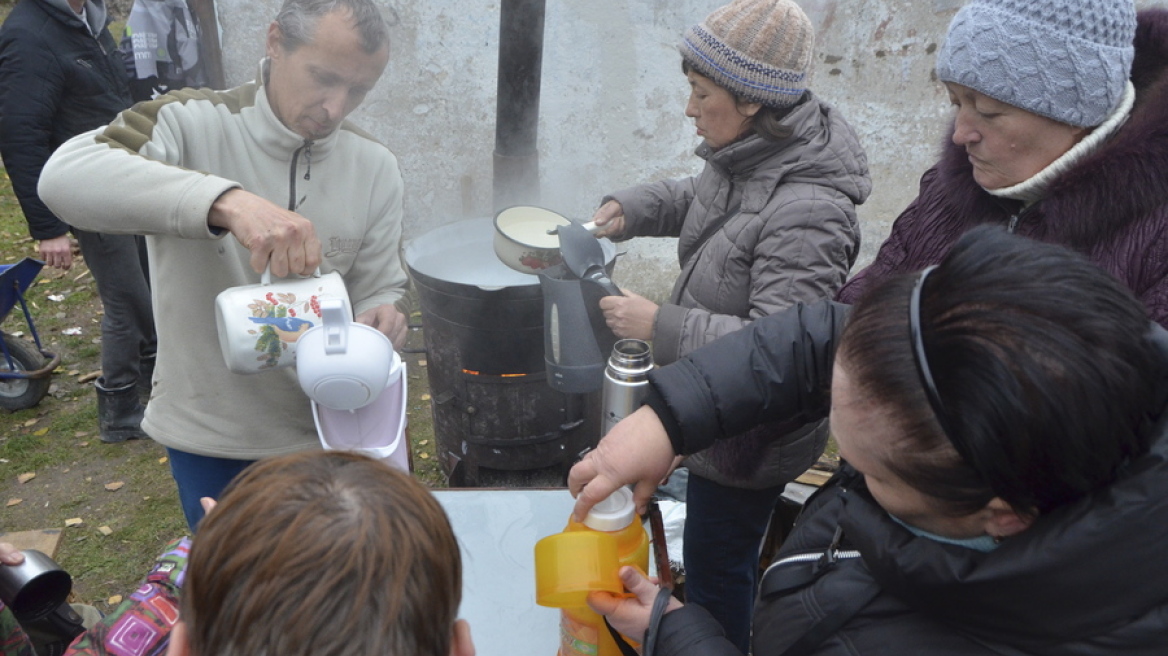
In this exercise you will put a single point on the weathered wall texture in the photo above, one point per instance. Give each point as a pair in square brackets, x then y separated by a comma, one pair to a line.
[613, 101]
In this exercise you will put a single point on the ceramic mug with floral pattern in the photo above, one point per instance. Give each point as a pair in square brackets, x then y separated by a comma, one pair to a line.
[260, 324]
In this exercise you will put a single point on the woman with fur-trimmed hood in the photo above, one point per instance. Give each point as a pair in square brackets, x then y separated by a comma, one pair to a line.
[1070, 150]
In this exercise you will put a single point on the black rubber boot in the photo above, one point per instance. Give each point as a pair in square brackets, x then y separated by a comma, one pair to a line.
[145, 378]
[119, 414]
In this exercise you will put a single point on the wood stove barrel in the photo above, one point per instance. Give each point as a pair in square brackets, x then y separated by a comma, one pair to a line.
[496, 420]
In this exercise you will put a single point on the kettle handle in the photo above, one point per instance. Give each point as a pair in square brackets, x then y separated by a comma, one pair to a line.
[266, 276]
[336, 325]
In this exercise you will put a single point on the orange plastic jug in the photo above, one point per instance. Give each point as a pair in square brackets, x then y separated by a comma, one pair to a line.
[582, 632]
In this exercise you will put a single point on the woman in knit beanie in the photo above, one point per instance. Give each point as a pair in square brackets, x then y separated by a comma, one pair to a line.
[1060, 133]
[770, 221]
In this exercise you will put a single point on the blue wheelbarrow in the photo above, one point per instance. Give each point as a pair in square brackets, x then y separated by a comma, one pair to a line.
[26, 369]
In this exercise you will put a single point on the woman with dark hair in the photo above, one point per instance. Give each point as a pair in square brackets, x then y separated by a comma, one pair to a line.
[770, 221]
[1001, 416]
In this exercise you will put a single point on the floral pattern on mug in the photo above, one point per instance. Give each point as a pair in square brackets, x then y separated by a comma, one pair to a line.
[281, 319]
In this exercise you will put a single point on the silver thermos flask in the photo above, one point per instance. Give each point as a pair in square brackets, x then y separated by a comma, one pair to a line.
[625, 380]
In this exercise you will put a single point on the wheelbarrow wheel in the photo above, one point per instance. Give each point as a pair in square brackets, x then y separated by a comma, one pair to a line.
[22, 393]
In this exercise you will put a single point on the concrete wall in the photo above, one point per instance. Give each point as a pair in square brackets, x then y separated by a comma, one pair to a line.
[613, 101]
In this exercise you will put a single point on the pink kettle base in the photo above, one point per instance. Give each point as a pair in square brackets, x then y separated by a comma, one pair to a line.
[376, 430]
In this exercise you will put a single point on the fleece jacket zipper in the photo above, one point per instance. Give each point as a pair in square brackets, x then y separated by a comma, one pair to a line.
[293, 203]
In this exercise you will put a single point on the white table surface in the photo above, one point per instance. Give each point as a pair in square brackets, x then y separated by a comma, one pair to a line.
[497, 531]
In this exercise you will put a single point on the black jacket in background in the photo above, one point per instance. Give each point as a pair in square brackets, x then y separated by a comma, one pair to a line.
[56, 81]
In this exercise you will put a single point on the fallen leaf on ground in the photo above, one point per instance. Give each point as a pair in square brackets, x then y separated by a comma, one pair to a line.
[83, 444]
[80, 433]
[115, 600]
[13, 502]
[105, 530]
[421, 363]
[116, 485]
[423, 442]
[74, 521]
[43, 431]
[162, 460]
[425, 397]
[424, 456]
[26, 477]
[31, 422]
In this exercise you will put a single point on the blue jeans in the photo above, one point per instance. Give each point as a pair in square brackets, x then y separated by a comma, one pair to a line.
[724, 530]
[201, 476]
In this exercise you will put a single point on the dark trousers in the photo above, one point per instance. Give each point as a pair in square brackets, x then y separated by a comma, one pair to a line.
[119, 267]
[724, 530]
[201, 476]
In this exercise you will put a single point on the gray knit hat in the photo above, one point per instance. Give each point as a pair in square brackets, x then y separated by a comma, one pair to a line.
[759, 50]
[1068, 60]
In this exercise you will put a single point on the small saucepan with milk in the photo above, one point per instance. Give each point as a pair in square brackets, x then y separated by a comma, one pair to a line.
[526, 239]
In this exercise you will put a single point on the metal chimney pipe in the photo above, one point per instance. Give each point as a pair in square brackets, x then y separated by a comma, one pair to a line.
[516, 162]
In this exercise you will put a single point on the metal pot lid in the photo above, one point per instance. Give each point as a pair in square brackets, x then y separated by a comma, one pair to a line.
[462, 253]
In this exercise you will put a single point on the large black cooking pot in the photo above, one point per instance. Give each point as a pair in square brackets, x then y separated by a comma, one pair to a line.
[494, 410]
[494, 314]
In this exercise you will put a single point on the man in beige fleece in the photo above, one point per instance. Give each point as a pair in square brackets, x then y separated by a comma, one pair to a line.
[274, 164]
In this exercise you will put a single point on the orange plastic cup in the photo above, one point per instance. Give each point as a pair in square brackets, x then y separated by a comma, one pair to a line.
[570, 565]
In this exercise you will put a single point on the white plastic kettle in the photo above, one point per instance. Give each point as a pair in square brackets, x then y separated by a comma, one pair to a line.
[342, 364]
[357, 384]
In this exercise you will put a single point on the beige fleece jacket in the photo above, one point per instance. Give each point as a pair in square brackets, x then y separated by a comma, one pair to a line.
[156, 170]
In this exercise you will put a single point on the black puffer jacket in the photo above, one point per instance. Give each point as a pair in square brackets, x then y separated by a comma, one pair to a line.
[56, 81]
[778, 369]
[1088, 578]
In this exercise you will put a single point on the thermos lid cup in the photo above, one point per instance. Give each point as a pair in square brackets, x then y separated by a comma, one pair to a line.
[34, 588]
[569, 565]
[613, 513]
